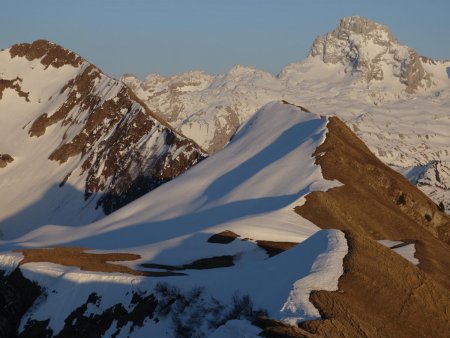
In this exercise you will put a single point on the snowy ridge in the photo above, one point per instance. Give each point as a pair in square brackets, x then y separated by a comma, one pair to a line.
[396, 101]
[250, 188]
[245, 183]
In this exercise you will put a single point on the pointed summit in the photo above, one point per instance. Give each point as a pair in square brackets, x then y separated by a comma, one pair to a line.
[361, 25]
[366, 47]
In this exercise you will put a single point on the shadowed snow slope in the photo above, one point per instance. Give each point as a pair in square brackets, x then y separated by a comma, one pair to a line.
[250, 188]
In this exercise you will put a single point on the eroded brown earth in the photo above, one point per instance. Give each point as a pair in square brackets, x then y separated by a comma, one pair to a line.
[78, 257]
[380, 294]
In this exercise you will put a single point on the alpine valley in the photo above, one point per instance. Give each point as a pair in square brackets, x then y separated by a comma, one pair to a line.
[314, 203]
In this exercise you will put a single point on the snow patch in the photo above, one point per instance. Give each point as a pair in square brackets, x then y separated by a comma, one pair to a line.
[9, 261]
[324, 275]
[407, 251]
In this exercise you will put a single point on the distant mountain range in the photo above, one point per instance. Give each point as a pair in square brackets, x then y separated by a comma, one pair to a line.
[397, 101]
[236, 205]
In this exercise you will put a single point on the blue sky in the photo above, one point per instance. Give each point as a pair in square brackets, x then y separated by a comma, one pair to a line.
[172, 36]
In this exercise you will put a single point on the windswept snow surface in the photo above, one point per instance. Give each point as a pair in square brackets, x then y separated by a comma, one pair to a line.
[250, 188]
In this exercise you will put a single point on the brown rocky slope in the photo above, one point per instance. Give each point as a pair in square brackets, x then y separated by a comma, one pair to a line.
[380, 294]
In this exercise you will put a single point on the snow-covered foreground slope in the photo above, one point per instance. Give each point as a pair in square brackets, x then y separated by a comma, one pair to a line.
[250, 188]
[396, 101]
[279, 287]
[78, 141]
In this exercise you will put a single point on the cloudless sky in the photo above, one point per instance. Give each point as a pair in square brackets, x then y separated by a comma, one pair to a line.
[173, 36]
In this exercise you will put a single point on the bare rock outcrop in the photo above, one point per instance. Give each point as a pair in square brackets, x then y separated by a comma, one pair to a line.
[5, 159]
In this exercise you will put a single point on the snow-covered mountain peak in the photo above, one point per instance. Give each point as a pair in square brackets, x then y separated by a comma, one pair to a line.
[156, 84]
[240, 78]
[88, 134]
[239, 71]
[368, 48]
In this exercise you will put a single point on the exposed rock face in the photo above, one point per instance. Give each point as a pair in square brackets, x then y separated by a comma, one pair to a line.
[381, 295]
[49, 53]
[377, 202]
[106, 141]
[367, 47]
[435, 182]
[346, 158]
[17, 294]
[15, 85]
[5, 159]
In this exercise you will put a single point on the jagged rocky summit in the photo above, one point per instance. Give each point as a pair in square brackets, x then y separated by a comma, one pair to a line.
[369, 48]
